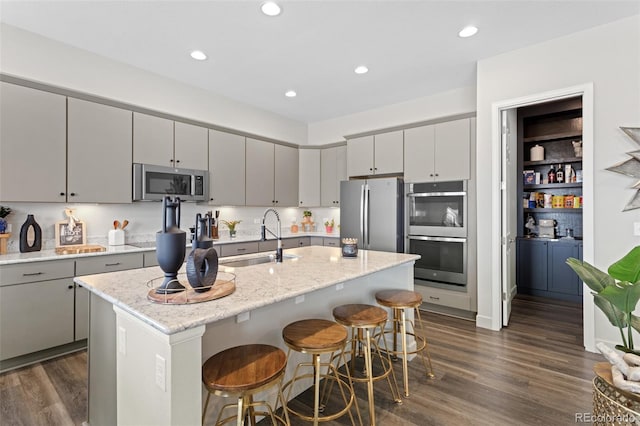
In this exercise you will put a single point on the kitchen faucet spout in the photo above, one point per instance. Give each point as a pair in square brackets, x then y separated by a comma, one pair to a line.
[278, 234]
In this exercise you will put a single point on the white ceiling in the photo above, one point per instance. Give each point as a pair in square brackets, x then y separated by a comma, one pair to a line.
[411, 47]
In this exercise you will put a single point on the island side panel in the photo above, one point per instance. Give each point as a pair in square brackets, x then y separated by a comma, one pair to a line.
[265, 324]
[158, 375]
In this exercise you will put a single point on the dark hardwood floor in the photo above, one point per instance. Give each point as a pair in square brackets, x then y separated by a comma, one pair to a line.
[534, 372]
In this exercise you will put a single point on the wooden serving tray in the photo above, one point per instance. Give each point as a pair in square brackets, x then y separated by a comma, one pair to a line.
[221, 288]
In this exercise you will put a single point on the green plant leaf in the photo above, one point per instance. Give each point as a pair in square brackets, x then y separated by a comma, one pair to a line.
[593, 277]
[635, 323]
[614, 315]
[624, 295]
[627, 268]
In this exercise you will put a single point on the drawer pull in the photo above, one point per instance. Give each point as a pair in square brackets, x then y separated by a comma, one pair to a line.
[112, 264]
[434, 298]
[32, 274]
[241, 249]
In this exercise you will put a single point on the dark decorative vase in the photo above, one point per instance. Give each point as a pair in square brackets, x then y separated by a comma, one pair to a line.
[36, 244]
[171, 243]
[202, 231]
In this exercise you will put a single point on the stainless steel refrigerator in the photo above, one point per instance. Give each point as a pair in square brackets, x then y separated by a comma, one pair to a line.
[371, 210]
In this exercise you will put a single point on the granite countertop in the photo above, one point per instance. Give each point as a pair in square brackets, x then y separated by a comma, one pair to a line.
[136, 247]
[256, 286]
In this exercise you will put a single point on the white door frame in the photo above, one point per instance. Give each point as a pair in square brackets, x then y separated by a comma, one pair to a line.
[586, 91]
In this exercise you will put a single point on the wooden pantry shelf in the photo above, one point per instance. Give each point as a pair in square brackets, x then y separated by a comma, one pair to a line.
[553, 185]
[553, 136]
[553, 161]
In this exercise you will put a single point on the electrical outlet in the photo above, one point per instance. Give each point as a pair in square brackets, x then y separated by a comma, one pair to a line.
[636, 229]
[299, 299]
[161, 372]
[122, 340]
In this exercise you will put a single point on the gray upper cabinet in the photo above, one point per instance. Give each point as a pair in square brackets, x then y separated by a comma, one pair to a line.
[99, 146]
[376, 155]
[437, 152]
[226, 168]
[191, 146]
[33, 159]
[333, 163]
[152, 140]
[260, 173]
[169, 143]
[286, 176]
[271, 174]
[309, 177]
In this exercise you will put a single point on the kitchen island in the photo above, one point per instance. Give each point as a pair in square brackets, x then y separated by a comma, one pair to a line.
[145, 358]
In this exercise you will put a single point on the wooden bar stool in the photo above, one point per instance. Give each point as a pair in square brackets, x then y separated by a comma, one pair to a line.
[399, 301]
[319, 337]
[242, 371]
[363, 321]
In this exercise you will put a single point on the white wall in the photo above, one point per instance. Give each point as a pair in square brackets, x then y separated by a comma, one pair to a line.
[30, 56]
[609, 57]
[453, 102]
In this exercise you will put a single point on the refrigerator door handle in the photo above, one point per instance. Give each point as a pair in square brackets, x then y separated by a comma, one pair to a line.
[366, 215]
[362, 216]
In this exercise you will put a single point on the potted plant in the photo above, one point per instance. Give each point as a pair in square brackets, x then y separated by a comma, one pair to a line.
[231, 224]
[328, 226]
[306, 216]
[4, 212]
[616, 293]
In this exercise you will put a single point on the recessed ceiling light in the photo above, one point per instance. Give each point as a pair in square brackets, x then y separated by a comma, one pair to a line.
[468, 31]
[290, 94]
[271, 8]
[198, 55]
[361, 69]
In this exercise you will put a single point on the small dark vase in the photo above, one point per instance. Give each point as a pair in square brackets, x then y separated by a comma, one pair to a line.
[202, 231]
[36, 244]
[171, 243]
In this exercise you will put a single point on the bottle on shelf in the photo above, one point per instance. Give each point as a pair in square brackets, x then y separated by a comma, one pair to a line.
[551, 175]
[560, 174]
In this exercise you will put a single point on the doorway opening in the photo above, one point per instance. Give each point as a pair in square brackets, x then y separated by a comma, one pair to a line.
[537, 238]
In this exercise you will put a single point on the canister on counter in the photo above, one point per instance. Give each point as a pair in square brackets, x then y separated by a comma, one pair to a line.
[557, 201]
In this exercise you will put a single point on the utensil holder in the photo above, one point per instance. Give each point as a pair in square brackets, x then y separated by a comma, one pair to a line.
[116, 237]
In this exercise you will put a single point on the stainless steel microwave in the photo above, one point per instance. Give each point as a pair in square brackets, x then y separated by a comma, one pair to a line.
[153, 183]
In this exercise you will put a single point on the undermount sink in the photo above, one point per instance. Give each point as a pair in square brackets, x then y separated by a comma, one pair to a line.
[271, 258]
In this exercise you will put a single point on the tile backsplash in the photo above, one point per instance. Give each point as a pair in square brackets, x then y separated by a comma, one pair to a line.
[145, 219]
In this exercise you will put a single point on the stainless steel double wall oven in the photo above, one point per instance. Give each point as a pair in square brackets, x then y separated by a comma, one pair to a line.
[436, 224]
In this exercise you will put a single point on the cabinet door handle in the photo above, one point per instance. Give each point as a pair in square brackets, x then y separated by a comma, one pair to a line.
[73, 194]
[370, 169]
[431, 174]
[434, 298]
[70, 287]
[32, 274]
[112, 264]
[62, 193]
[177, 161]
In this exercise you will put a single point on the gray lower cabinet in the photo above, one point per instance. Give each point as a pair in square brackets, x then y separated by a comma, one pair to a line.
[331, 242]
[35, 316]
[235, 249]
[108, 263]
[81, 329]
[542, 268]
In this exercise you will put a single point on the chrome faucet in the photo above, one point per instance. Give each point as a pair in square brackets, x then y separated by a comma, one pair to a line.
[264, 230]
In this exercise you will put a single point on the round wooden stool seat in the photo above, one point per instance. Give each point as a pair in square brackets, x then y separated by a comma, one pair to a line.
[315, 336]
[243, 371]
[243, 368]
[399, 298]
[359, 315]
